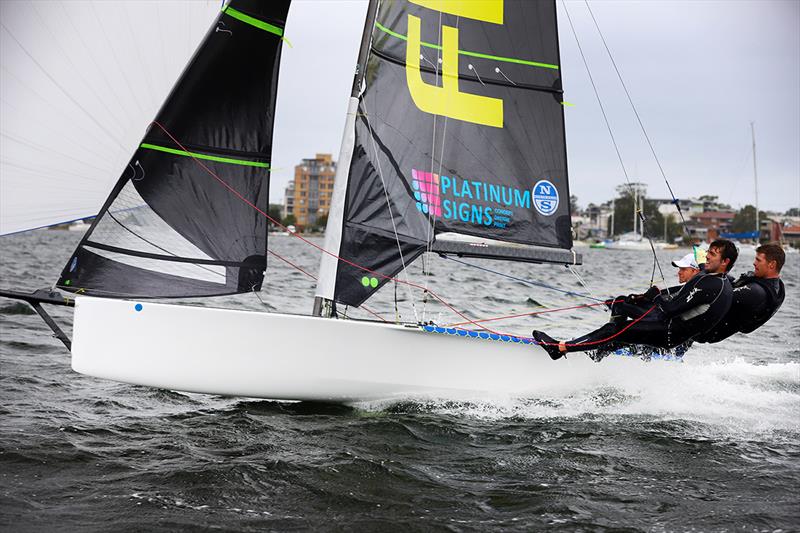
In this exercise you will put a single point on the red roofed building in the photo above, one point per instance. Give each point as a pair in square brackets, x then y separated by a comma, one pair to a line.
[791, 235]
[712, 223]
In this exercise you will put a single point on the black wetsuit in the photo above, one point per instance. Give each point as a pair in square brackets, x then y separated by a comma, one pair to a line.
[755, 301]
[694, 309]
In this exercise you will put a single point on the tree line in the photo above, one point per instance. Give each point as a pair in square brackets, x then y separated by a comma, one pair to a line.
[632, 194]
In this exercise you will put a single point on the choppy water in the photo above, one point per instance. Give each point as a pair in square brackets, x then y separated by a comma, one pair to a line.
[711, 444]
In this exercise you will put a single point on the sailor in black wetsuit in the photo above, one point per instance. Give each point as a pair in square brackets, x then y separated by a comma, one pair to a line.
[667, 320]
[757, 296]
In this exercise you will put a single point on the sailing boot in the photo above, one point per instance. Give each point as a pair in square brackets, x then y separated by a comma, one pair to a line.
[549, 344]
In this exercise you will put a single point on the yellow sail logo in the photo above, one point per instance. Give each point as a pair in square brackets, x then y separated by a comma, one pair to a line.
[448, 100]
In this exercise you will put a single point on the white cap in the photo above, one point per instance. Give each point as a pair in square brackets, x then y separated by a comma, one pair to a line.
[687, 261]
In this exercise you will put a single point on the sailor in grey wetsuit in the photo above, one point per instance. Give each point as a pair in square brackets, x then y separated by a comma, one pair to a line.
[670, 321]
[757, 296]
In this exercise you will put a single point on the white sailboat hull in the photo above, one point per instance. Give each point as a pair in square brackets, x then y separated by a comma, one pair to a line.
[265, 355]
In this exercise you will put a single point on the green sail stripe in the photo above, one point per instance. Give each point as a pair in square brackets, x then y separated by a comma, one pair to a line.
[205, 156]
[266, 26]
[471, 54]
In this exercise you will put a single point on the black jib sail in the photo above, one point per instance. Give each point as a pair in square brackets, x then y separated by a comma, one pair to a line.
[173, 225]
[458, 129]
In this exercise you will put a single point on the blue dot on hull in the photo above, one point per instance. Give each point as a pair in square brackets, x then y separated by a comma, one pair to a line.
[138, 307]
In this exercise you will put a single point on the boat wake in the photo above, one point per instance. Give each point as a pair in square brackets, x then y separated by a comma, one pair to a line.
[736, 396]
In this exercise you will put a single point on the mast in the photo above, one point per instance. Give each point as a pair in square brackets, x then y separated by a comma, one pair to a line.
[333, 230]
[613, 211]
[755, 180]
[641, 210]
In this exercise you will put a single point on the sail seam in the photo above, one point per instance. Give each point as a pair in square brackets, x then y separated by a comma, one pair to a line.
[488, 81]
[472, 54]
[161, 257]
[247, 19]
[218, 159]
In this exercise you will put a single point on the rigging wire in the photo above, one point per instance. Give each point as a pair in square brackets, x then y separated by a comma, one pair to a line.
[581, 281]
[431, 230]
[241, 197]
[355, 265]
[638, 118]
[312, 276]
[389, 206]
[601, 341]
[523, 280]
[641, 215]
[534, 313]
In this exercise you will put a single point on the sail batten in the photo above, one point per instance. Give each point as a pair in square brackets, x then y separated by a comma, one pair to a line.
[199, 155]
[469, 53]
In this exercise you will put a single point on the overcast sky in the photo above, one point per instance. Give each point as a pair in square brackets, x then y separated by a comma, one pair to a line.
[699, 73]
[81, 80]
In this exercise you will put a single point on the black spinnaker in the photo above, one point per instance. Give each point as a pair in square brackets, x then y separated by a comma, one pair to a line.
[459, 129]
[169, 228]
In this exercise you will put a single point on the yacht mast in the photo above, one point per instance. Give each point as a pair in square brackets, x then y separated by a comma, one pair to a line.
[333, 231]
[755, 179]
[613, 210]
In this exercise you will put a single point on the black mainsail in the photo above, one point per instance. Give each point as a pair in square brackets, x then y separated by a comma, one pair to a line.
[456, 127]
[172, 226]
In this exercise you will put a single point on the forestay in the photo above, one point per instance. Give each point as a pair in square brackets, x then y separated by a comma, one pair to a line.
[170, 227]
[457, 127]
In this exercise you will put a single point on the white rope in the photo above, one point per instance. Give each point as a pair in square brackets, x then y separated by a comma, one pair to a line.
[391, 214]
[656, 262]
[432, 212]
[583, 284]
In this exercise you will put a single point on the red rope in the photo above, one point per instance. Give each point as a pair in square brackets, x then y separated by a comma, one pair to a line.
[601, 341]
[320, 248]
[533, 313]
[312, 276]
[355, 265]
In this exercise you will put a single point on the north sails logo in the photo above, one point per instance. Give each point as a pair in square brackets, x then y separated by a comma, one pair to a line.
[545, 197]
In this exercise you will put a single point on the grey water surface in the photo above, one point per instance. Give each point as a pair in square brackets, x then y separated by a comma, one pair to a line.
[710, 444]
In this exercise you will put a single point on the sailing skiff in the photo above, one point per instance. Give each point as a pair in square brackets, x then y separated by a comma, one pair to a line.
[454, 144]
[245, 353]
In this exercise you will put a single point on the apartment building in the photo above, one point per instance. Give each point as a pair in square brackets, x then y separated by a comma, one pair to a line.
[313, 188]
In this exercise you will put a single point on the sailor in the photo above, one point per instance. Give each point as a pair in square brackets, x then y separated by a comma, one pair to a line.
[687, 267]
[661, 320]
[757, 296]
[622, 307]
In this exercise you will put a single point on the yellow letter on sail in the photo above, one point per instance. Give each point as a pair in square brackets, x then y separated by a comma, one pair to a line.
[485, 10]
[447, 100]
